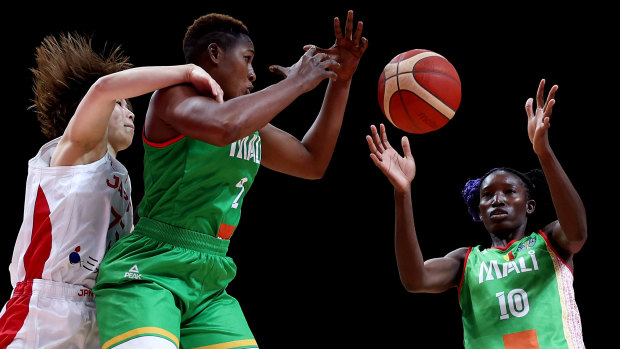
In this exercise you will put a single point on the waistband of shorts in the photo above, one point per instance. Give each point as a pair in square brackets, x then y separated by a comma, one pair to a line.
[180, 237]
[55, 290]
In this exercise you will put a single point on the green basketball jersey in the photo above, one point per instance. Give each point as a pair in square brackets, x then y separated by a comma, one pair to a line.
[198, 186]
[520, 296]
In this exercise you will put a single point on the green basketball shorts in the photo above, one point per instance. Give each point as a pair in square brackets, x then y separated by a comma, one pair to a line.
[169, 282]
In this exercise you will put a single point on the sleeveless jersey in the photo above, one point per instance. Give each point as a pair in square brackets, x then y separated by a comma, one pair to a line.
[72, 215]
[198, 186]
[520, 296]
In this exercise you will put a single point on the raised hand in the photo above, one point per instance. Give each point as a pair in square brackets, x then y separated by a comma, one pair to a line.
[538, 120]
[312, 68]
[348, 48]
[399, 170]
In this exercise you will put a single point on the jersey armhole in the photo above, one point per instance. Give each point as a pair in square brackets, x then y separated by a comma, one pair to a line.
[160, 144]
[463, 272]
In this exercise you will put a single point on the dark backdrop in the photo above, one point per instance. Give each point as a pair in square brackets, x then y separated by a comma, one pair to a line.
[316, 264]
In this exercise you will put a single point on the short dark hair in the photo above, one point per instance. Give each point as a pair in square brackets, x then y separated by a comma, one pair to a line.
[211, 28]
[66, 68]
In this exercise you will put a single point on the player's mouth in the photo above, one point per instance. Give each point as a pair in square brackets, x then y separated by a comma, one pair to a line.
[131, 126]
[498, 213]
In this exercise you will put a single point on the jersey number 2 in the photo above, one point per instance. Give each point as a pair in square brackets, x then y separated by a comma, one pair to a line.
[239, 184]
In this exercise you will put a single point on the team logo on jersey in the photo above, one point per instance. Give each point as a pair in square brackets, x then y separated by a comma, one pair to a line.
[133, 273]
[89, 264]
[74, 257]
[527, 244]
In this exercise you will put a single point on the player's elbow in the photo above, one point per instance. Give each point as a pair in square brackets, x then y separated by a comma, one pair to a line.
[223, 134]
[102, 88]
[315, 172]
[576, 244]
[413, 287]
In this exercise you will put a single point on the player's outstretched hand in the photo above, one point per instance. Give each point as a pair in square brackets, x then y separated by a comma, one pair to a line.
[399, 170]
[312, 68]
[348, 48]
[538, 120]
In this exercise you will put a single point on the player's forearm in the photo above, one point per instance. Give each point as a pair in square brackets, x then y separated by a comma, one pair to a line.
[246, 114]
[142, 80]
[320, 140]
[567, 202]
[408, 254]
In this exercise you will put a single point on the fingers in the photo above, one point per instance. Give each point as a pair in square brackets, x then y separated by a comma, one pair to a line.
[528, 107]
[384, 139]
[364, 44]
[551, 95]
[371, 146]
[278, 70]
[406, 147]
[219, 94]
[348, 27]
[377, 139]
[358, 32]
[337, 29]
[539, 94]
[549, 108]
[311, 51]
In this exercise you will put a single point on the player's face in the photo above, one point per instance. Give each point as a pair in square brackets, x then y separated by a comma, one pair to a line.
[504, 203]
[120, 127]
[235, 68]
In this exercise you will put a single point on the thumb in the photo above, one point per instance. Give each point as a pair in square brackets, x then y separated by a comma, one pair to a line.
[278, 70]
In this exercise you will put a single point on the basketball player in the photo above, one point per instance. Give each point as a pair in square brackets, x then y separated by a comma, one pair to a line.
[78, 196]
[163, 286]
[517, 293]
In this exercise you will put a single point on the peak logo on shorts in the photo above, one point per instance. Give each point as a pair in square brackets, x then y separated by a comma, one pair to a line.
[133, 273]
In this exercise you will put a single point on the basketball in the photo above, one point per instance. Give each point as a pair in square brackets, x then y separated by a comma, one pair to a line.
[419, 91]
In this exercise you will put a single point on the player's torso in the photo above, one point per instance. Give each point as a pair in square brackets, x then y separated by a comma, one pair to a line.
[72, 215]
[198, 186]
[516, 295]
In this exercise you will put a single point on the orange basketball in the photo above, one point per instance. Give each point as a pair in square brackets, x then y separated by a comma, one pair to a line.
[419, 91]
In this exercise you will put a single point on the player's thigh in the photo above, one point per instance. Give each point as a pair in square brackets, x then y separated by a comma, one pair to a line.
[220, 323]
[137, 309]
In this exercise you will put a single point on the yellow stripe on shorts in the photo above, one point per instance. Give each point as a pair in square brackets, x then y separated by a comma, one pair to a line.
[230, 345]
[141, 331]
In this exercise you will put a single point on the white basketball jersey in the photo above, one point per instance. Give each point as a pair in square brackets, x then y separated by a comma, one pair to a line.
[72, 215]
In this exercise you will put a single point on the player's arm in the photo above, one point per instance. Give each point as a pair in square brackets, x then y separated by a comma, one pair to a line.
[570, 231]
[434, 275]
[85, 138]
[310, 157]
[431, 276]
[180, 110]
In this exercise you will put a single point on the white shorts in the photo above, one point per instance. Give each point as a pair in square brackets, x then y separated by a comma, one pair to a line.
[48, 314]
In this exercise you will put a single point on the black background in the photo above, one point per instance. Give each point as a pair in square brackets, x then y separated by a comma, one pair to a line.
[315, 259]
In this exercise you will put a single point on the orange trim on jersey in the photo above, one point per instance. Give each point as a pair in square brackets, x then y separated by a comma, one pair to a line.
[231, 345]
[142, 331]
[521, 340]
[161, 144]
[226, 231]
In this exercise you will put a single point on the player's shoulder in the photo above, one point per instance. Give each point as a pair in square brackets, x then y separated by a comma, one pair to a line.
[458, 254]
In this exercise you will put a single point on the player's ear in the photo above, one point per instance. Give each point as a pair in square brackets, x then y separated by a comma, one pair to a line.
[214, 52]
[531, 206]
